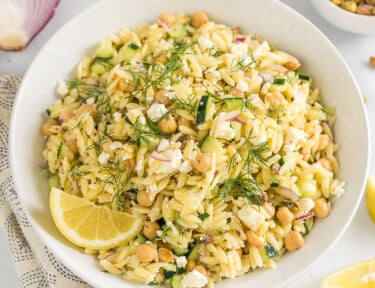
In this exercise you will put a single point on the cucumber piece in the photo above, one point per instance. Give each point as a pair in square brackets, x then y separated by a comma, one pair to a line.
[64, 151]
[176, 281]
[237, 127]
[233, 104]
[211, 144]
[127, 52]
[54, 181]
[180, 251]
[100, 66]
[202, 109]
[178, 30]
[271, 251]
[307, 187]
[55, 110]
[194, 253]
[104, 49]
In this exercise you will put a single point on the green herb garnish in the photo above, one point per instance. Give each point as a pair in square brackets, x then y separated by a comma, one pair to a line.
[303, 77]
[279, 81]
[203, 216]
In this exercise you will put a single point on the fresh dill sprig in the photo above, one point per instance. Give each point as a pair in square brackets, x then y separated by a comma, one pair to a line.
[190, 105]
[86, 90]
[242, 186]
[101, 140]
[45, 171]
[75, 171]
[242, 64]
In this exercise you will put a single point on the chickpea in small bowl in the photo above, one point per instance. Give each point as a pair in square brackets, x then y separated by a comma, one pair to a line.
[353, 16]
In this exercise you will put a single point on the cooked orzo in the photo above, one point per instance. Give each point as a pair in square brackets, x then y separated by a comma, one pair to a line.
[212, 135]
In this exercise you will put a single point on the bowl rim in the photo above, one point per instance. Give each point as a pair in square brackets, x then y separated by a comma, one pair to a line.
[12, 139]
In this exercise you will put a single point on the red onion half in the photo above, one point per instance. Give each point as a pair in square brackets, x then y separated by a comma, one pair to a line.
[153, 156]
[307, 215]
[21, 20]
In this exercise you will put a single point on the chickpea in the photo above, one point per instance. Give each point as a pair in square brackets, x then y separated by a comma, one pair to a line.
[322, 208]
[167, 18]
[323, 141]
[126, 86]
[85, 108]
[350, 6]
[165, 255]
[66, 115]
[284, 215]
[253, 238]
[237, 92]
[72, 145]
[184, 122]
[190, 265]
[150, 228]
[144, 199]
[167, 125]
[325, 164]
[293, 241]
[269, 209]
[203, 162]
[46, 128]
[161, 97]
[145, 253]
[201, 270]
[198, 19]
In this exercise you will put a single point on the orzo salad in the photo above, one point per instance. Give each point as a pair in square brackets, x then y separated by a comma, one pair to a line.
[212, 137]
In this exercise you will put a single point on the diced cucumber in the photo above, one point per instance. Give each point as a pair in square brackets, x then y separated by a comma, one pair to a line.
[54, 181]
[104, 49]
[100, 66]
[64, 151]
[178, 30]
[55, 110]
[271, 251]
[316, 113]
[180, 251]
[211, 144]
[233, 104]
[127, 52]
[237, 127]
[141, 239]
[202, 109]
[194, 253]
[176, 281]
[307, 187]
[147, 142]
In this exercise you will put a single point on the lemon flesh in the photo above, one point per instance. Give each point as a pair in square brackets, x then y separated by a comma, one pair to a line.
[370, 197]
[360, 275]
[91, 226]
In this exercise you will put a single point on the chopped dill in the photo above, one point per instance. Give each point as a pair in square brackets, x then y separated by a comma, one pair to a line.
[86, 90]
[101, 140]
[242, 64]
[203, 216]
[45, 171]
[75, 171]
[242, 186]
[187, 105]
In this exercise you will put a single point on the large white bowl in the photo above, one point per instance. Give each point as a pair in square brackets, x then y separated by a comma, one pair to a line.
[269, 18]
[345, 20]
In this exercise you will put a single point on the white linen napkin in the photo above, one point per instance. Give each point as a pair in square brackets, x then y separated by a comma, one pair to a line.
[36, 266]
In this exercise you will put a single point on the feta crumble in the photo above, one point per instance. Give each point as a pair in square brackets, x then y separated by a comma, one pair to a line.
[250, 217]
[194, 279]
[62, 88]
[115, 145]
[205, 43]
[117, 116]
[181, 262]
[156, 111]
[223, 129]
[103, 158]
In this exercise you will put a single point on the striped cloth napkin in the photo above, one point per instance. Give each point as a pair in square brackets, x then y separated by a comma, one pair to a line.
[36, 266]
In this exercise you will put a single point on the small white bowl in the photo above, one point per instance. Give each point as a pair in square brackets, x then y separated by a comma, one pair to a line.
[345, 20]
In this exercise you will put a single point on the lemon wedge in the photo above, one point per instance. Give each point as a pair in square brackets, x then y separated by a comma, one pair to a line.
[360, 275]
[91, 226]
[370, 197]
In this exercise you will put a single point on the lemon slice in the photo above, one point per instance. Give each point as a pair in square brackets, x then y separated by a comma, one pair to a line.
[370, 197]
[91, 226]
[360, 275]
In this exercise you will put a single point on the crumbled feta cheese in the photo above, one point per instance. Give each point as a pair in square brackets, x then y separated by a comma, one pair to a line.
[205, 43]
[250, 217]
[163, 145]
[156, 111]
[239, 49]
[293, 138]
[115, 145]
[159, 233]
[242, 86]
[194, 279]
[185, 167]
[181, 262]
[136, 115]
[174, 157]
[90, 100]
[246, 60]
[62, 88]
[103, 158]
[117, 116]
[223, 129]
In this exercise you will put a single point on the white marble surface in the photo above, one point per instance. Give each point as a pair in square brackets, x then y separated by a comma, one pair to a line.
[358, 243]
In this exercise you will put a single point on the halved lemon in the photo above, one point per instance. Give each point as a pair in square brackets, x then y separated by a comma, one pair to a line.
[360, 275]
[91, 226]
[370, 197]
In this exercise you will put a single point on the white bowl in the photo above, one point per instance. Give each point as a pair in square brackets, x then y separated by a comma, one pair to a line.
[271, 19]
[343, 19]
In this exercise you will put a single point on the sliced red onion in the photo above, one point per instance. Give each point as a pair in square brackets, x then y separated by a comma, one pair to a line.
[21, 20]
[306, 216]
[164, 24]
[267, 77]
[286, 192]
[239, 120]
[240, 39]
[160, 159]
[233, 115]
